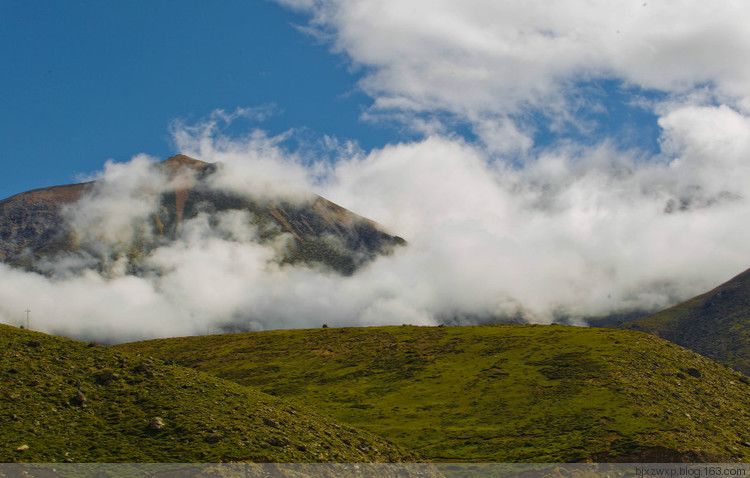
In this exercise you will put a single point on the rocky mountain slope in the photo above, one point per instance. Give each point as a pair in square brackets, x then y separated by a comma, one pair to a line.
[495, 393]
[63, 400]
[715, 324]
[33, 226]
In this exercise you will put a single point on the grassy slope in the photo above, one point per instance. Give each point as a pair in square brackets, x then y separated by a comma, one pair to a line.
[505, 393]
[715, 324]
[206, 419]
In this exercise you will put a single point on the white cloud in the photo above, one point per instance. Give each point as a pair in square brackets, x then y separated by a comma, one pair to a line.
[255, 164]
[124, 195]
[483, 58]
[576, 232]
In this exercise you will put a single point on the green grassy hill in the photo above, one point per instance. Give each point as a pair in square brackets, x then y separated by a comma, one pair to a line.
[495, 393]
[62, 400]
[715, 324]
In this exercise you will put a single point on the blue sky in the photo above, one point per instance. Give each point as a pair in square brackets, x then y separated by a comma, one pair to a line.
[86, 81]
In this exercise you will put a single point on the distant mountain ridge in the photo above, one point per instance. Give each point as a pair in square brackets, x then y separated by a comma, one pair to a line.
[715, 324]
[33, 227]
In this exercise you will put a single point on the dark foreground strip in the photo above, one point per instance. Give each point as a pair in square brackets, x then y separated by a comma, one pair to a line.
[377, 470]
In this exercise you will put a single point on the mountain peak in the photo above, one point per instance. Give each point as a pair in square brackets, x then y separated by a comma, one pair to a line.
[183, 160]
[33, 225]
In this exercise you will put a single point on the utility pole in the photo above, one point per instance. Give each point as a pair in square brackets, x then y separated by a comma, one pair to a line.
[28, 317]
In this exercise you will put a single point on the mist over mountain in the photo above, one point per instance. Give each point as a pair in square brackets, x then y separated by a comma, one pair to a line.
[167, 241]
[574, 233]
[65, 229]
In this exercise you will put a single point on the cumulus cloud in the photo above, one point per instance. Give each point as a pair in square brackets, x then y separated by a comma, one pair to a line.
[485, 60]
[111, 215]
[255, 163]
